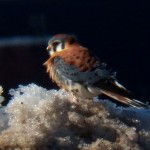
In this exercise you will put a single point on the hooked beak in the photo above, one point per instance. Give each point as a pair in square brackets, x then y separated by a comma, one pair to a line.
[50, 50]
[48, 47]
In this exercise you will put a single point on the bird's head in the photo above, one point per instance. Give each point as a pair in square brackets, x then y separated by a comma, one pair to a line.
[59, 43]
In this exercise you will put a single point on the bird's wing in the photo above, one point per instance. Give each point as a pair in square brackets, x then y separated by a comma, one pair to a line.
[97, 78]
[104, 82]
[73, 73]
[80, 65]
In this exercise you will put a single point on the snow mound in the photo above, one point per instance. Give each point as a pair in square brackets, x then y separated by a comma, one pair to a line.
[36, 118]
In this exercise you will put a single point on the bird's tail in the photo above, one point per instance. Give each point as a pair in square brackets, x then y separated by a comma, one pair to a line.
[125, 100]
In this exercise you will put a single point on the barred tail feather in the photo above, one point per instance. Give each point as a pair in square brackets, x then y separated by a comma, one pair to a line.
[125, 100]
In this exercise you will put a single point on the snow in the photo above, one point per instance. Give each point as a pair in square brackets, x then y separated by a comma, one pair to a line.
[37, 118]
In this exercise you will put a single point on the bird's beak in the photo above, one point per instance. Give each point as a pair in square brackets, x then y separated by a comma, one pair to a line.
[50, 50]
[48, 47]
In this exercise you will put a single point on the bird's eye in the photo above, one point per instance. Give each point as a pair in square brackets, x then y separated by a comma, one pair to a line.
[55, 45]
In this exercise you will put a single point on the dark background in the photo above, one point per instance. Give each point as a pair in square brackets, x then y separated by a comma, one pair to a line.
[116, 31]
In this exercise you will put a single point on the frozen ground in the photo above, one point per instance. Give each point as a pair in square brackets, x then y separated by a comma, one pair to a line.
[40, 119]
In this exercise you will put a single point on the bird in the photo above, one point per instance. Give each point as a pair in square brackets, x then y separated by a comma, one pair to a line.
[77, 70]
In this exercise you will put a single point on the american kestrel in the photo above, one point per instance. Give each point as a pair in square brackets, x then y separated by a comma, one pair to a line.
[75, 69]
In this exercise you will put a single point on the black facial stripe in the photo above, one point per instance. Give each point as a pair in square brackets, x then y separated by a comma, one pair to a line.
[63, 45]
[55, 45]
[54, 48]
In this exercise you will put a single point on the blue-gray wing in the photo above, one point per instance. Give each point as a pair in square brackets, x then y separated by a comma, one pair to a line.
[62, 69]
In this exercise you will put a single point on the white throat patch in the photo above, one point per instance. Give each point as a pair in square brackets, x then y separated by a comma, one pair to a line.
[51, 52]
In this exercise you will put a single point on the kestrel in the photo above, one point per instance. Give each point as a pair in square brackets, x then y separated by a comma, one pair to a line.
[75, 69]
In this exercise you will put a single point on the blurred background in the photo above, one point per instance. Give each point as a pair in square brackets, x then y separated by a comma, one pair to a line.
[116, 31]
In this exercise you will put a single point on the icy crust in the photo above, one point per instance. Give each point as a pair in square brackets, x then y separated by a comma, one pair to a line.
[40, 119]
